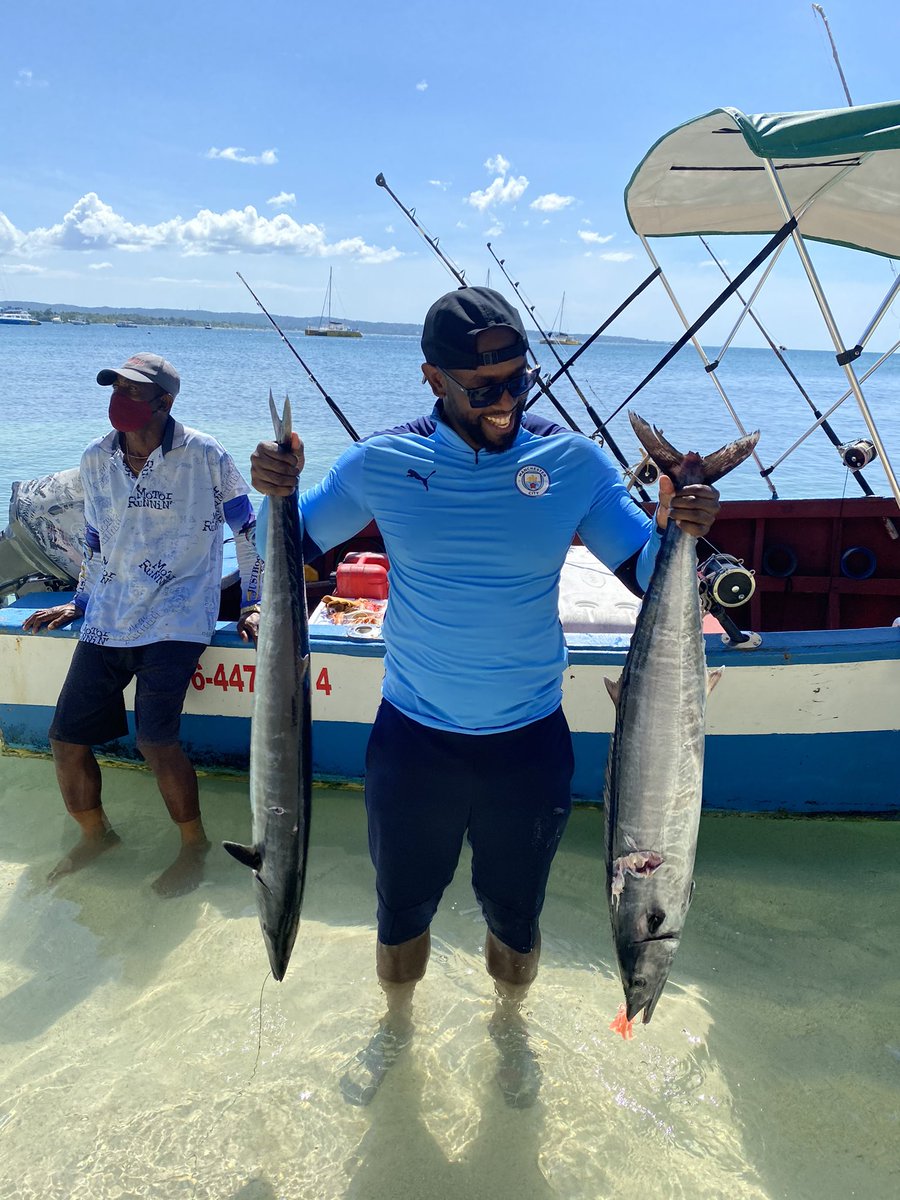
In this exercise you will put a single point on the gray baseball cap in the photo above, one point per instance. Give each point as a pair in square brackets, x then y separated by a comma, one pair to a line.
[144, 368]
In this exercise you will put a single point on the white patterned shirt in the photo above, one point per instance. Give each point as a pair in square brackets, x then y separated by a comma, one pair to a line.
[153, 550]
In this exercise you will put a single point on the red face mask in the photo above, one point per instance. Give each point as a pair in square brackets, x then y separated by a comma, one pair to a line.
[129, 415]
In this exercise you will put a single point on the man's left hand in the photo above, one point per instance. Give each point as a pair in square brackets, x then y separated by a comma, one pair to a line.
[248, 627]
[693, 509]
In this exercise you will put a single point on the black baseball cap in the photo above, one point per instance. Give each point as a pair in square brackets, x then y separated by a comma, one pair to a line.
[454, 321]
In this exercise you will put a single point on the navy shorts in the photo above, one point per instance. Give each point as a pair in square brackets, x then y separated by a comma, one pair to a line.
[426, 789]
[91, 705]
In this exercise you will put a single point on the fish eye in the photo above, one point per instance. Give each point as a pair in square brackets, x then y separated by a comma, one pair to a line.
[655, 920]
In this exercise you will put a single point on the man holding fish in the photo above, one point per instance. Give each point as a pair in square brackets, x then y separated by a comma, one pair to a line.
[477, 504]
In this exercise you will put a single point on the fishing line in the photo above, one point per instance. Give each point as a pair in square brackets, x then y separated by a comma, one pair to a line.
[237, 1097]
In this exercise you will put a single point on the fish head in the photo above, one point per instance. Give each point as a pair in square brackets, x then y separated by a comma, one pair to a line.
[644, 968]
[647, 925]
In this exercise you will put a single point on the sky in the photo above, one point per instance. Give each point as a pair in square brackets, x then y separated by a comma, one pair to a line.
[148, 152]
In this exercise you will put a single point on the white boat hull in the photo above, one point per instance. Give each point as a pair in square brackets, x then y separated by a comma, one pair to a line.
[799, 724]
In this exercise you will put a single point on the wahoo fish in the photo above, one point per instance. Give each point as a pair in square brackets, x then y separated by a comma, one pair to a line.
[654, 773]
[280, 736]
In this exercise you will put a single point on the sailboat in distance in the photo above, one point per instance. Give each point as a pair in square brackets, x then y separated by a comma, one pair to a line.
[556, 336]
[329, 326]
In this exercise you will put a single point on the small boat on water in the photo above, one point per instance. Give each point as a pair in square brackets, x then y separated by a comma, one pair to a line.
[17, 316]
[804, 595]
[556, 336]
[329, 326]
[126, 325]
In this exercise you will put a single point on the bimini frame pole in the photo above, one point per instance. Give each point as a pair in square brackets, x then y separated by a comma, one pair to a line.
[834, 332]
[707, 364]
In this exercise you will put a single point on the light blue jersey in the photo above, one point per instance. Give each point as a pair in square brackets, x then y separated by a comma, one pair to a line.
[476, 542]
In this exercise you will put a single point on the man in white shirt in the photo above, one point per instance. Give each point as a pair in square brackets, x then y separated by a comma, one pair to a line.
[157, 495]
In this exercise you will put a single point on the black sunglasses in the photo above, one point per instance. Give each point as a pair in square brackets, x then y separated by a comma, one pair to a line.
[484, 397]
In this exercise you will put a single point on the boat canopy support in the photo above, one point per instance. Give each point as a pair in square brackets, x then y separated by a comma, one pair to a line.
[833, 174]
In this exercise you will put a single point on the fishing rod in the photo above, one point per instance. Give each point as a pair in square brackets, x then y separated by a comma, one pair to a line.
[599, 426]
[609, 320]
[817, 8]
[820, 419]
[335, 408]
[460, 276]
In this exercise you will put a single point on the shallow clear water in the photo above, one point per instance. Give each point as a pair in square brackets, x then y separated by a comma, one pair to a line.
[137, 1061]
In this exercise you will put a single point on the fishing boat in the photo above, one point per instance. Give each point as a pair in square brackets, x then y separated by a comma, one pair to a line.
[804, 595]
[17, 316]
[329, 326]
[556, 336]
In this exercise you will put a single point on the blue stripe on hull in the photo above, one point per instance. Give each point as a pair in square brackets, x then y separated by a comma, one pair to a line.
[809, 774]
[803, 774]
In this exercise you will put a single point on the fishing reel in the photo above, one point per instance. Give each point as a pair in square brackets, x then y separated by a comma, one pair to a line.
[646, 472]
[724, 582]
[858, 454]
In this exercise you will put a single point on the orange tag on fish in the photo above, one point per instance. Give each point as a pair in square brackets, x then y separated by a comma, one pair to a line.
[621, 1025]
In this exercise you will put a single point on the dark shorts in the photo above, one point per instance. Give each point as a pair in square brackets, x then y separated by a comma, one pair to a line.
[426, 790]
[91, 705]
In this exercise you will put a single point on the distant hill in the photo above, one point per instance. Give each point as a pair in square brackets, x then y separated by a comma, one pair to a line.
[227, 320]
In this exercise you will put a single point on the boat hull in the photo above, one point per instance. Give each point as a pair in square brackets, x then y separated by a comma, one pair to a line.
[798, 725]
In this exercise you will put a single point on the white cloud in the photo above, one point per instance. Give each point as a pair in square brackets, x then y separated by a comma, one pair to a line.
[439, 183]
[268, 158]
[26, 79]
[551, 202]
[497, 165]
[104, 266]
[282, 200]
[92, 225]
[24, 269]
[595, 239]
[617, 256]
[501, 191]
[422, 85]
[706, 263]
[388, 229]
[495, 230]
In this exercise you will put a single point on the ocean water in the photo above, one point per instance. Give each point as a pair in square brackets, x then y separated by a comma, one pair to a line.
[143, 1053]
[53, 406]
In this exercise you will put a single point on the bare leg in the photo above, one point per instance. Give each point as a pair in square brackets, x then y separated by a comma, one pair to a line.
[399, 970]
[177, 783]
[519, 1073]
[79, 781]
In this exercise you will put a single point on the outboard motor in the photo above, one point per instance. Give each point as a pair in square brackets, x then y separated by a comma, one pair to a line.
[41, 548]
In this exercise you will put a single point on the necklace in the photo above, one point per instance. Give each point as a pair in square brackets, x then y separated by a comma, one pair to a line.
[131, 459]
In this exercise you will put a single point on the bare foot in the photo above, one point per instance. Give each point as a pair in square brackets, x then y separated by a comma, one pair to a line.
[185, 873]
[83, 853]
[519, 1074]
[366, 1070]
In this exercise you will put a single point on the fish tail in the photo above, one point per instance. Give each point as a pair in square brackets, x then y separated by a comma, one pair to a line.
[282, 423]
[691, 467]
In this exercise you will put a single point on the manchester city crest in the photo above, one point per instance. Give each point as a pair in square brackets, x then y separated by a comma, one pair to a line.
[532, 481]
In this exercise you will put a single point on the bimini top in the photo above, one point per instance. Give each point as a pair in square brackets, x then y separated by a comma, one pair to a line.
[706, 176]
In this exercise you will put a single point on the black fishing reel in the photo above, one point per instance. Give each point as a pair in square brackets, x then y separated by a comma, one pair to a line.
[646, 472]
[858, 454]
[725, 582]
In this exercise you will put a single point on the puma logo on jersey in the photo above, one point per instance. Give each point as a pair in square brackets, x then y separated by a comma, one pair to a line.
[423, 479]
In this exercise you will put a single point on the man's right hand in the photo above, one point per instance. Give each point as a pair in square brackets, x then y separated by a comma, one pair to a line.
[273, 471]
[53, 618]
